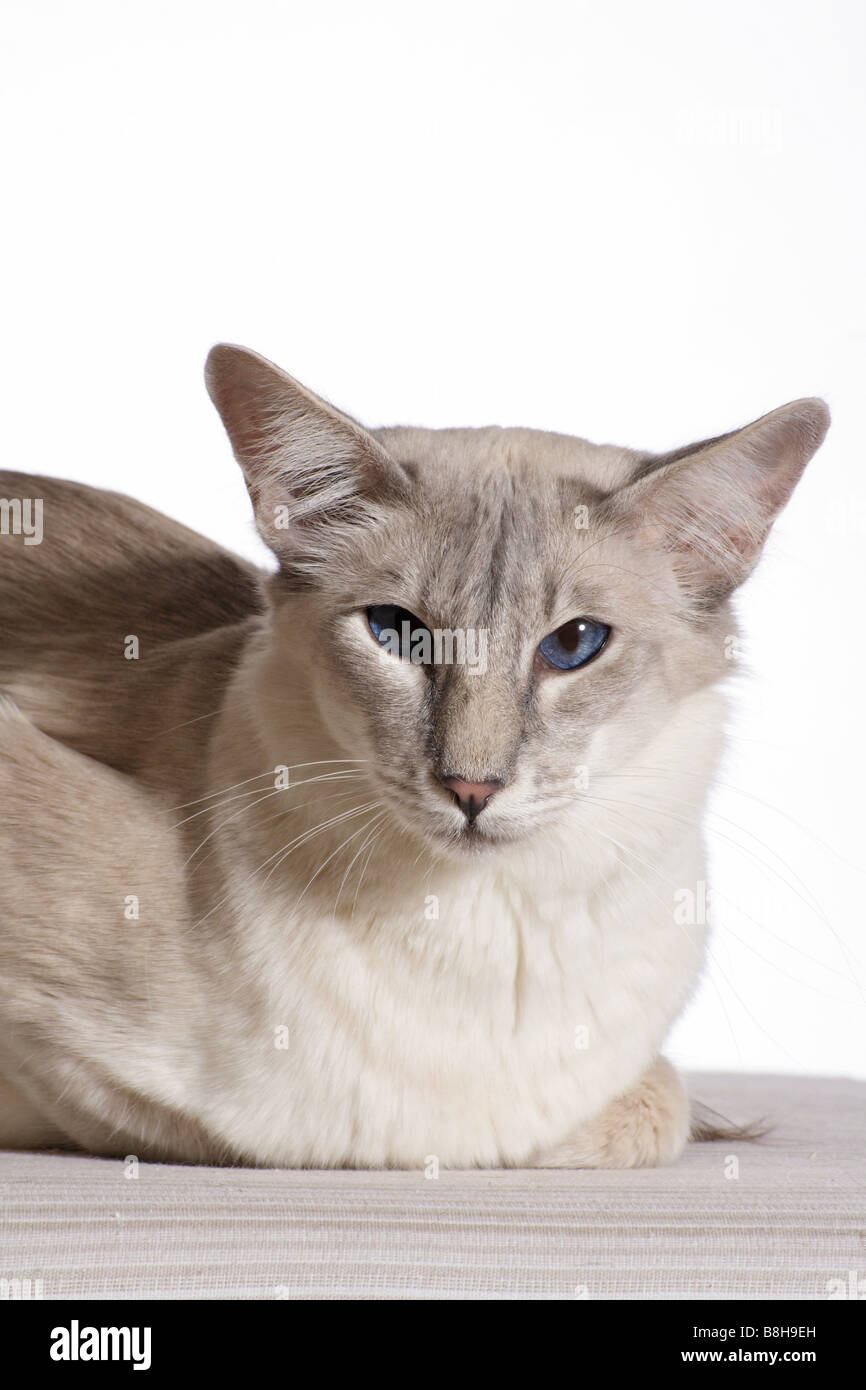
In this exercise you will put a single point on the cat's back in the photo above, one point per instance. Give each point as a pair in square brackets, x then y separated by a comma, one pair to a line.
[115, 620]
[78, 559]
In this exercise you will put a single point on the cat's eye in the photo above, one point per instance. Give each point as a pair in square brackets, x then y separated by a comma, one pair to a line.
[574, 644]
[398, 630]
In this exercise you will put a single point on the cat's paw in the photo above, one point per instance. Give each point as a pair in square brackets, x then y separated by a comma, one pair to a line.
[645, 1127]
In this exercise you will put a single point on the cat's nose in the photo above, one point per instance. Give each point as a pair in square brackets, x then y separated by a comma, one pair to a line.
[471, 797]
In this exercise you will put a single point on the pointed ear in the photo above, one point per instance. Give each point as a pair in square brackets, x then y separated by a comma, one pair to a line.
[711, 505]
[313, 473]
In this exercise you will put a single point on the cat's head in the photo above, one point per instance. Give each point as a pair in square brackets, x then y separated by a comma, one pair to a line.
[491, 618]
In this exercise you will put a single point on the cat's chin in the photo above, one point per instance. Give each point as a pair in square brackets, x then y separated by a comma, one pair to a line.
[474, 842]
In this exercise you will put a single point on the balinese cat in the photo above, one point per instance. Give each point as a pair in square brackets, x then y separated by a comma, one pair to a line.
[376, 858]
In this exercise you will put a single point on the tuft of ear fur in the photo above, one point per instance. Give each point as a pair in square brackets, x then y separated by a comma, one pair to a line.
[711, 504]
[312, 472]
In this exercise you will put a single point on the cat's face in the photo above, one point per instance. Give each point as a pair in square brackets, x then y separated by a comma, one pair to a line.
[494, 555]
[492, 621]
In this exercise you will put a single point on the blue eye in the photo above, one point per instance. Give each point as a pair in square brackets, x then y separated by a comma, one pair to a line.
[395, 629]
[574, 644]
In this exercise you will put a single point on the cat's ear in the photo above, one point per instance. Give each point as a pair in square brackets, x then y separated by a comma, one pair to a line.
[312, 472]
[711, 505]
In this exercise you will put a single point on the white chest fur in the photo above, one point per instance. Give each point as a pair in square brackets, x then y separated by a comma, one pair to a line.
[476, 1024]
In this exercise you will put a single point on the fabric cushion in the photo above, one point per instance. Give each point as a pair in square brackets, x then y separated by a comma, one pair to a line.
[786, 1225]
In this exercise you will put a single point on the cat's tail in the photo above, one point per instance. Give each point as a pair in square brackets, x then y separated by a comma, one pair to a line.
[709, 1127]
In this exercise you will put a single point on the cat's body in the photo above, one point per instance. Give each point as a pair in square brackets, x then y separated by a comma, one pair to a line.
[195, 964]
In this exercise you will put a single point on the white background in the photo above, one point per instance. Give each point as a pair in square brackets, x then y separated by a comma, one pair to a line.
[634, 222]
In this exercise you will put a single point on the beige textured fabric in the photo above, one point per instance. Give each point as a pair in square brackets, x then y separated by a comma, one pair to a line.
[791, 1221]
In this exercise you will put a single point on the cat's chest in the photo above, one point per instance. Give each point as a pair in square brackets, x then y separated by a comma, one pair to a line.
[473, 1028]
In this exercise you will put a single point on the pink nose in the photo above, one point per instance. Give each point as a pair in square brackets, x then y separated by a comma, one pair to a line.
[471, 797]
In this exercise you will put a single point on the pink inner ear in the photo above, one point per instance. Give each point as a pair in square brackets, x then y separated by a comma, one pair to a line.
[713, 507]
[743, 543]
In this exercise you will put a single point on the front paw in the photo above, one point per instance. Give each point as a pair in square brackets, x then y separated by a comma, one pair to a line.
[646, 1126]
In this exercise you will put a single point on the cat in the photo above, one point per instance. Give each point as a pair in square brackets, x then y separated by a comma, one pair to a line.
[372, 860]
